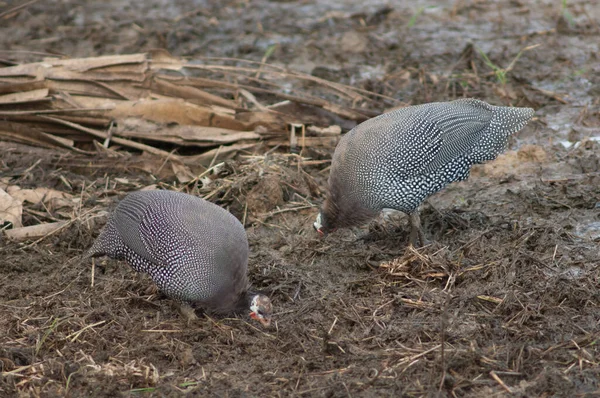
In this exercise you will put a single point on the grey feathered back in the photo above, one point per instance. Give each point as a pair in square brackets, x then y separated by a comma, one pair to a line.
[399, 158]
[194, 250]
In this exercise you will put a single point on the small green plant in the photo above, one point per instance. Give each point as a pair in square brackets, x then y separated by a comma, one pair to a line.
[69, 381]
[55, 323]
[501, 73]
[142, 390]
[416, 15]
[189, 384]
[567, 14]
[270, 50]
[153, 389]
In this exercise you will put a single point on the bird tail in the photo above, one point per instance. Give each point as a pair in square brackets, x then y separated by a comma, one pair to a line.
[510, 120]
[89, 253]
[81, 258]
[99, 247]
[505, 122]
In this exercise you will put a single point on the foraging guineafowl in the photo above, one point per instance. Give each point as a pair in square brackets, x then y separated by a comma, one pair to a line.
[398, 159]
[195, 251]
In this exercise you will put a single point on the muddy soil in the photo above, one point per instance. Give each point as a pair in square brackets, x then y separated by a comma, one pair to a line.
[505, 302]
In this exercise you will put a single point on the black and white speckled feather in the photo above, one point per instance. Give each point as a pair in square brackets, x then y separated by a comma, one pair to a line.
[398, 159]
[195, 251]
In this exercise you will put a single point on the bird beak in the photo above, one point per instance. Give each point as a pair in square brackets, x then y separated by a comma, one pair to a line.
[321, 233]
[266, 322]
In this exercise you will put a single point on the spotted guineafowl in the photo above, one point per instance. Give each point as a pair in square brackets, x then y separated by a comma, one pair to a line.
[398, 159]
[195, 251]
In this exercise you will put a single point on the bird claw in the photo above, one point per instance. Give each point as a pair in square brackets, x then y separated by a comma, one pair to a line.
[418, 239]
[417, 236]
[187, 312]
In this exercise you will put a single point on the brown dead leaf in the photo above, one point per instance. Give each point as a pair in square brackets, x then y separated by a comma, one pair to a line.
[177, 111]
[181, 135]
[85, 64]
[308, 142]
[25, 96]
[217, 155]
[189, 93]
[52, 198]
[28, 135]
[270, 120]
[331, 131]
[17, 87]
[34, 231]
[162, 59]
[115, 97]
[525, 161]
[182, 172]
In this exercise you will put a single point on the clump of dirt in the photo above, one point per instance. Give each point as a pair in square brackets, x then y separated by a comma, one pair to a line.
[526, 160]
[253, 188]
[265, 195]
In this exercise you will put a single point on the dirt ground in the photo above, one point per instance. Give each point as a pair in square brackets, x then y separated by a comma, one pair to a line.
[505, 302]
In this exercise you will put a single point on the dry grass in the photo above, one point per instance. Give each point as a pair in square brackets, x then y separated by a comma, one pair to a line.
[491, 307]
[504, 303]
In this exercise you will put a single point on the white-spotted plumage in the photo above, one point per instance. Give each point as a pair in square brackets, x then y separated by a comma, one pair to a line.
[398, 159]
[195, 251]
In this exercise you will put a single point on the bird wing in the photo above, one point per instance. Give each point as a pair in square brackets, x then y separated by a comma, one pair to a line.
[462, 125]
[420, 139]
[154, 229]
[228, 246]
[202, 236]
[128, 217]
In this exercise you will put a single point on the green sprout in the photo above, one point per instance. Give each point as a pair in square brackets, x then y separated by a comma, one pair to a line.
[416, 15]
[567, 14]
[501, 73]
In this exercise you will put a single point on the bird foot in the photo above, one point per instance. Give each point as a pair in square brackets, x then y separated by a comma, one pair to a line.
[150, 290]
[187, 312]
[417, 239]
[417, 236]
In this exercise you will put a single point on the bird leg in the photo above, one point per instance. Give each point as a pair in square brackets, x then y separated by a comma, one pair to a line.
[186, 311]
[416, 230]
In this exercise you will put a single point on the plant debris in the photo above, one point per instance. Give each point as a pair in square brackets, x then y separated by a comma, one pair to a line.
[243, 105]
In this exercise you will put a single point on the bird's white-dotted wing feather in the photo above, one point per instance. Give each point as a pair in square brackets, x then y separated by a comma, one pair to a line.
[197, 251]
[203, 247]
[127, 218]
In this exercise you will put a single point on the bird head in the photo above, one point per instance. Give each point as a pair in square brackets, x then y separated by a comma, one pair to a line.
[321, 226]
[261, 309]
